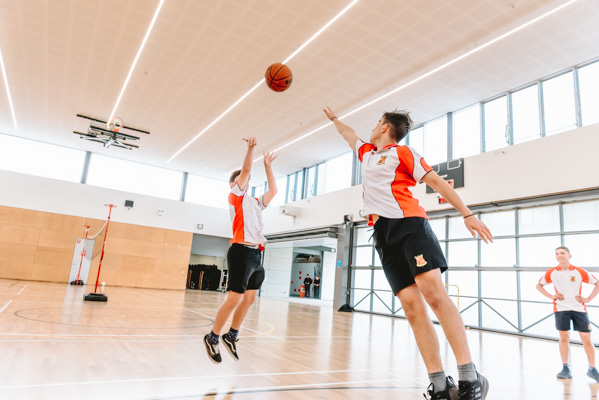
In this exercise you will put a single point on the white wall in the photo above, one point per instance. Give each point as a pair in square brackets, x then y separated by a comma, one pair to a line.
[329, 263]
[277, 266]
[55, 196]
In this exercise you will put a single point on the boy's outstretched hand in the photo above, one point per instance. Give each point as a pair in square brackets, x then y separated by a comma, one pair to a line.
[251, 141]
[269, 157]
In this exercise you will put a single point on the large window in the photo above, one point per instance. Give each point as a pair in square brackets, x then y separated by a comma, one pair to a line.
[588, 81]
[496, 123]
[41, 159]
[558, 104]
[435, 141]
[525, 114]
[128, 176]
[338, 172]
[206, 191]
[466, 132]
[416, 140]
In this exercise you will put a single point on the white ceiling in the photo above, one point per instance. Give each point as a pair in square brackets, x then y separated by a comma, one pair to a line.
[71, 57]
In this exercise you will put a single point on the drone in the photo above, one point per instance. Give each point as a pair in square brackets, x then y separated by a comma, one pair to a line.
[108, 133]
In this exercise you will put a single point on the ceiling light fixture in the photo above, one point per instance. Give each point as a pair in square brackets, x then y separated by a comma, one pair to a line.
[143, 43]
[262, 80]
[12, 110]
[421, 77]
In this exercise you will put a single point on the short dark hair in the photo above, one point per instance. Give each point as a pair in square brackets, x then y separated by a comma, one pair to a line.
[400, 123]
[234, 175]
[563, 247]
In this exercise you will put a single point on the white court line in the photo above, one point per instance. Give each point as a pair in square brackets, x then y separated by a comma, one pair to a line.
[149, 297]
[21, 291]
[180, 378]
[6, 305]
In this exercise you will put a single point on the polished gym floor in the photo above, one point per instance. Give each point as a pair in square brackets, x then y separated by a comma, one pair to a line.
[147, 344]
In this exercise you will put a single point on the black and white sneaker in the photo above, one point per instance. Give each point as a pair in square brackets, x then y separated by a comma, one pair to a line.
[476, 390]
[213, 351]
[451, 393]
[231, 346]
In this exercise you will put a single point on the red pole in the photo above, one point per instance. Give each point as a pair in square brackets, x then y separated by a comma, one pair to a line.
[103, 246]
[82, 253]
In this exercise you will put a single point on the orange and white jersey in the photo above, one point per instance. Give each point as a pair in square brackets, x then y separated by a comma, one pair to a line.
[569, 283]
[246, 215]
[387, 175]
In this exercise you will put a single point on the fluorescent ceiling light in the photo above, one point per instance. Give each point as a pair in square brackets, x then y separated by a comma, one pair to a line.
[421, 77]
[143, 43]
[12, 110]
[262, 81]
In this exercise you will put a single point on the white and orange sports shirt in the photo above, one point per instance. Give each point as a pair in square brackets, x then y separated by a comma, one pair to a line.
[246, 215]
[387, 175]
[569, 283]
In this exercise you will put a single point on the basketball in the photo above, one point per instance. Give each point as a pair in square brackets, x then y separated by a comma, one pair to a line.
[278, 77]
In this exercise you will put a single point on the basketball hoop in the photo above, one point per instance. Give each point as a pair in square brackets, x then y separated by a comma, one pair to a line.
[115, 124]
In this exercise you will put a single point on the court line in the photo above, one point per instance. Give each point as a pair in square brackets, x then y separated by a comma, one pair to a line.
[6, 305]
[22, 290]
[272, 328]
[184, 378]
[149, 297]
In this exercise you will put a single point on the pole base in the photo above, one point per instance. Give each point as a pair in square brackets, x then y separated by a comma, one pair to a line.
[95, 297]
[77, 282]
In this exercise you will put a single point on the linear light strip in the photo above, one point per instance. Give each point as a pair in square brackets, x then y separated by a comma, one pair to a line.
[12, 110]
[447, 64]
[143, 43]
[262, 81]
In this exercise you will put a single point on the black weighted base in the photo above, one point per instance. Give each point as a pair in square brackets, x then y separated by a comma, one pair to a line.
[77, 283]
[95, 297]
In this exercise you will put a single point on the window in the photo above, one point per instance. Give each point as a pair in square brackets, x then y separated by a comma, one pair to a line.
[588, 82]
[320, 173]
[525, 114]
[290, 188]
[466, 132]
[582, 216]
[416, 140]
[539, 220]
[338, 172]
[132, 177]
[279, 198]
[435, 141]
[311, 182]
[495, 113]
[206, 191]
[41, 159]
[558, 104]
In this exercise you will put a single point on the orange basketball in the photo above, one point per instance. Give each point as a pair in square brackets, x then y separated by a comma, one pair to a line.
[278, 77]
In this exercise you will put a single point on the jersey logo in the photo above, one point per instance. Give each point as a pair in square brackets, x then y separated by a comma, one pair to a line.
[420, 261]
[382, 160]
[572, 279]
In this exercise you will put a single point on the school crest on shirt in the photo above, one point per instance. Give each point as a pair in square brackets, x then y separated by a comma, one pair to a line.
[382, 160]
[572, 279]
[420, 261]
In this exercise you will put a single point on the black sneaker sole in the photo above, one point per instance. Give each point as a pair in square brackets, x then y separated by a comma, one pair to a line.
[207, 346]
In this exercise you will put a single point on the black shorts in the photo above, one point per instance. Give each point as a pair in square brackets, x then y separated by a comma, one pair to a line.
[407, 247]
[580, 320]
[245, 271]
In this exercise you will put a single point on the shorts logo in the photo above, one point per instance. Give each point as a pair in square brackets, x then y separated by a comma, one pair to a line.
[382, 160]
[572, 279]
[420, 261]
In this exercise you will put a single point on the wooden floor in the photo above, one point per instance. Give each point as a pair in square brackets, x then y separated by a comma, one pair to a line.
[147, 344]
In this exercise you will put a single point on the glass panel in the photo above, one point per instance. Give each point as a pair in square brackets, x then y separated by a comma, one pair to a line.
[320, 181]
[259, 191]
[457, 228]
[538, 251]
[581, 216]
[499, 285]
[362, 235]
[299, 182]
[539, 220]
[206, 191]
[501, 223]
[41, 159]
[290, 188]
[588, 82]
[438, 226]
[558, 104]
[364, 305]
[466, 132]
[279, 198]
[363, 257]
[493, 320]
[435, 141]
[133, 177]
[338, 172]
[463, 254]
[380, 281]
[532, 313]
[466, 281]
[416, 140]
[362, 278]
[311, 182]
[525, 114]
[500, 253]
[528, 284]
[495, 123]
[583, 249]
[377, 259]
[469, 315]
[378, 304]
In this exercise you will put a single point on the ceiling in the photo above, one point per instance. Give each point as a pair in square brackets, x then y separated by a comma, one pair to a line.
[66, 57]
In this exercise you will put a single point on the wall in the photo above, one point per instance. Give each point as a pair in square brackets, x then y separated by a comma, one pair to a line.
[277, 266]
[329, 263]
[36, 245]
[209, 245]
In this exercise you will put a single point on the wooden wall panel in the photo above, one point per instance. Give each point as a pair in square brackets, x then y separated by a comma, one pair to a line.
[18, 234]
